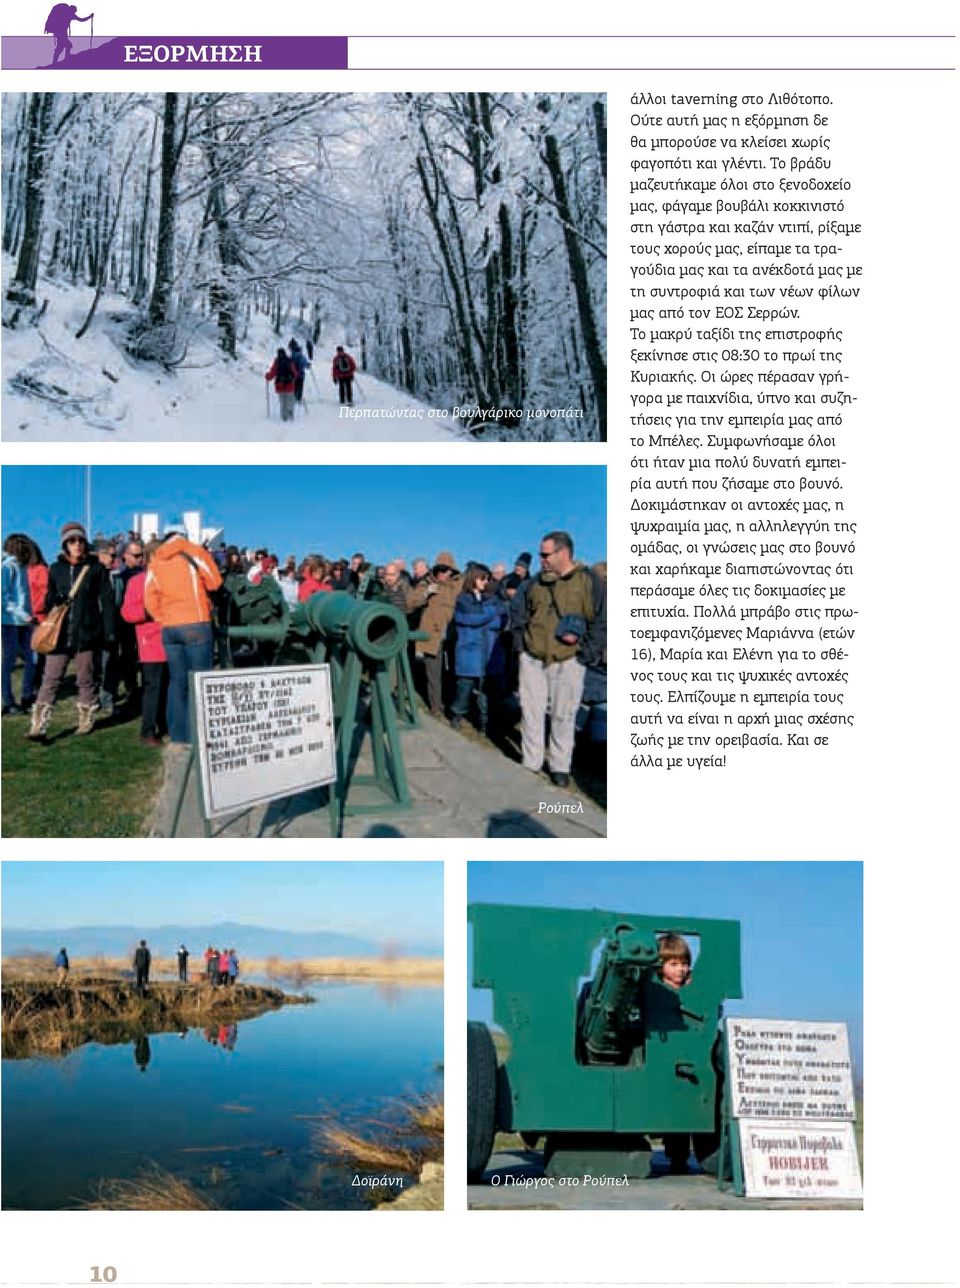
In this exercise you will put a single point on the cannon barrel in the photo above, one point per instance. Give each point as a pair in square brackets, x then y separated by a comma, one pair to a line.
[375, 630]
[613, 995]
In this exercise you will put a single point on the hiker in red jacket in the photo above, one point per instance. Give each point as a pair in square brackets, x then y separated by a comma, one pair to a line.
[343, 370]
[284, 375]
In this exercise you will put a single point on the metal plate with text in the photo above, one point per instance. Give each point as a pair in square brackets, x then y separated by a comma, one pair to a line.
[789, 1069]
[796, 1160]
[262, 734]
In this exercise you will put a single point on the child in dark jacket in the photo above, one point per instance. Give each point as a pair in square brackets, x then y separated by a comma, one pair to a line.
[478, 621]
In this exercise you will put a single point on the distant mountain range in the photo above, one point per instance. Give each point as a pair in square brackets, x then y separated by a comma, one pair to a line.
[249, 941]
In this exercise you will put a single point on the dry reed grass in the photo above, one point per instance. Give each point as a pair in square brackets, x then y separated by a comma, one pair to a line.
[40, 1018]
[421, 970]
[401, 1144]
[425, 970]
[152, 1191]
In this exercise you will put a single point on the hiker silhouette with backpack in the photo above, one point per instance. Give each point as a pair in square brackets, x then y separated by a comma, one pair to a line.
[343, 371]
[58, 26]
[283, 373]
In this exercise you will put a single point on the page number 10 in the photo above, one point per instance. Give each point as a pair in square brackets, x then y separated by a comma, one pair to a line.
[103, 1274]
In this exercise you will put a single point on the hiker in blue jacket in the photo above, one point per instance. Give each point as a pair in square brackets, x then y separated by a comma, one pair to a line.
[300, 364]
[478, 621]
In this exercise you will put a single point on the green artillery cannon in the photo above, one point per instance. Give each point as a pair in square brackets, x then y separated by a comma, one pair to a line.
[602, 1054]
[365, 644]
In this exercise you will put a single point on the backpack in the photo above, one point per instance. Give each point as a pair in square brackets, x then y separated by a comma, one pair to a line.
[343, 364]
[285, 372]
[59, 18]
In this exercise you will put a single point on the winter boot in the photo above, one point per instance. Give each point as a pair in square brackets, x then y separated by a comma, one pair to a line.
[40, 720]
[87, 717]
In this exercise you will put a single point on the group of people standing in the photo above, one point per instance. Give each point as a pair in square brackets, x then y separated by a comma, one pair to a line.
[542, 636]
[150, 614]
[222, 966]
[288, 372]
[134, 613]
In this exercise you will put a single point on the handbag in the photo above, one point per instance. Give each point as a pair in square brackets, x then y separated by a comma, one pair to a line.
[46, 633]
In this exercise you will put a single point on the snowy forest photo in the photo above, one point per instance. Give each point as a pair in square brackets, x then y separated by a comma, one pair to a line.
[159, 249]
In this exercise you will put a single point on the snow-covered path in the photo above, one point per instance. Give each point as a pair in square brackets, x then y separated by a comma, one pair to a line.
[110, 398]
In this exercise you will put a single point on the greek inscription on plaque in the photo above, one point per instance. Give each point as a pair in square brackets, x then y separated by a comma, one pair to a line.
[262, 734]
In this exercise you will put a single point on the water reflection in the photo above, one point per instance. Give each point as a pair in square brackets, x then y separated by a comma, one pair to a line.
[141, 1052]
[224, 1035]
[73, 1121]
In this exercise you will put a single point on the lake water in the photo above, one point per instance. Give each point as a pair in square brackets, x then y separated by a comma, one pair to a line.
[219, 1107]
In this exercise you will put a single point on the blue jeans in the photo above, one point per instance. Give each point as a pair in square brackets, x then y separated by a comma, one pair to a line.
[470, 686]
[188, 649]
[16, 643]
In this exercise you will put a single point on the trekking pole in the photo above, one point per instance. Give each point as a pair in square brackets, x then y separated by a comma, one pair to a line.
[316, 384]
[359, 388]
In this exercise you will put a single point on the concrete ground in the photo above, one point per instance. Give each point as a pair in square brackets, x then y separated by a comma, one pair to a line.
[515, 1180]
[459, 787]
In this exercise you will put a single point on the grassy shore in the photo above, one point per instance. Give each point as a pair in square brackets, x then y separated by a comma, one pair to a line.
[399, 970]
[42, 1018]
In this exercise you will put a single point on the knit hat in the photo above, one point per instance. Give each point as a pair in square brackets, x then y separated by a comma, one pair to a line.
[445, 560]
[72, 530]
[525, 558]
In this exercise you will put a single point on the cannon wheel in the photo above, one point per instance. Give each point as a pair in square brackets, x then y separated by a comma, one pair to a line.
[481, 1098]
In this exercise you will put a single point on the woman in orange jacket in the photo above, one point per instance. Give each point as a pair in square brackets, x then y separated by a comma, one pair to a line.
[180, 580]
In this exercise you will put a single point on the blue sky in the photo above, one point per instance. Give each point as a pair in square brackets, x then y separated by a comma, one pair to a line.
[801, 923]
[371, 899]
[479, 512]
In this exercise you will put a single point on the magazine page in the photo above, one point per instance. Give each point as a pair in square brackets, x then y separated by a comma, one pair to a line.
[477, 490]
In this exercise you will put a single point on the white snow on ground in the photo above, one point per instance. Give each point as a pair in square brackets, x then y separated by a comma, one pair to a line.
[101, 394]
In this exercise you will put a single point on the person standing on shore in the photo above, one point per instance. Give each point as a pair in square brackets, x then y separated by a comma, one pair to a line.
[183, 955]
[62, 963]
[141, 964]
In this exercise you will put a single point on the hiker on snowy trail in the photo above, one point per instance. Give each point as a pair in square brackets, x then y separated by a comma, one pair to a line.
[344, 369]
[284, 376]
[58, 26]
[300, 365]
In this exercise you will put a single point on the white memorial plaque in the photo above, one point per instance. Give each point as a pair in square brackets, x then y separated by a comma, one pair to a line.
[797, 1160]
[262, 734]
[792, 1069]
